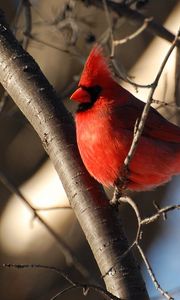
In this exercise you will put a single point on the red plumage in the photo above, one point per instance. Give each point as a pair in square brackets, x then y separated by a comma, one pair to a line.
[105, 123]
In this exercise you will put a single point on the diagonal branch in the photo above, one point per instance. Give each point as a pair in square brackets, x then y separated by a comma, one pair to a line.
[146, 109]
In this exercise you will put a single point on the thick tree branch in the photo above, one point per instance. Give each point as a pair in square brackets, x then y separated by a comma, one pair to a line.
[22, 78]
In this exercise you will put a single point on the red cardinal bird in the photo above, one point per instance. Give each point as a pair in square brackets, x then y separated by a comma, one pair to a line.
[105, 122]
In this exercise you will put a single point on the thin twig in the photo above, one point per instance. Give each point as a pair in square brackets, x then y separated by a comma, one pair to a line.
[39, 266]
[142, 222]
[177, 77]
[67, 252]
[108, 17]
[134, 34]
[136, 210]
[119, 75]
[115, 43]
[52, 208]
[138, 237]
[16, 17]
[85, 287]
[146, 109]
[175, 290]
[27, 23]
[152, 275]
[164, 103]
[130, 201]
[160, 212]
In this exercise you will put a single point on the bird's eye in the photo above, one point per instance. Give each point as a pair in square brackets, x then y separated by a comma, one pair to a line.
[94, 91]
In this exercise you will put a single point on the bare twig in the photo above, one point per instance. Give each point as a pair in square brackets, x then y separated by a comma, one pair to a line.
[74, 284]
[138, 237]
[27, 23]
[126, 78]
[152, 275]
[175, 290]
[115, 43]
[159, 213]
[86, 288]
[146, 109]
[136, 241]
[164, 103]
[177, 78]
[108, 17]
[16, 17]
[52, 208]
[134, 34]
[39, 266]
[67, 252]
[136, 210]
[109, 33]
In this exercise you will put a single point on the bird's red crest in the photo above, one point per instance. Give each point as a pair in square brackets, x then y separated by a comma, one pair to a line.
[96, 69]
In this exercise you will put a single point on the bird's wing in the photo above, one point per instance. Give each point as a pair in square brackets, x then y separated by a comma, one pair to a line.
[156, 126]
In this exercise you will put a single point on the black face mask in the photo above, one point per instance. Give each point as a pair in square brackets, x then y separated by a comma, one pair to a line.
[94, 93]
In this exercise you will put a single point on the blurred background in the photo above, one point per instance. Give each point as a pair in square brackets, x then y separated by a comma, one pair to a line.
[59, 35]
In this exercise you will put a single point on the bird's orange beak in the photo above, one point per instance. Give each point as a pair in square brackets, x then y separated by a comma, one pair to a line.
[81, 96]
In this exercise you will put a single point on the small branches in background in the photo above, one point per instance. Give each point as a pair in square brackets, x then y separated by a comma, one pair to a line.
[64, 248]
[73, 284]
[141, 222]
[146, 109]
[135, 16]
